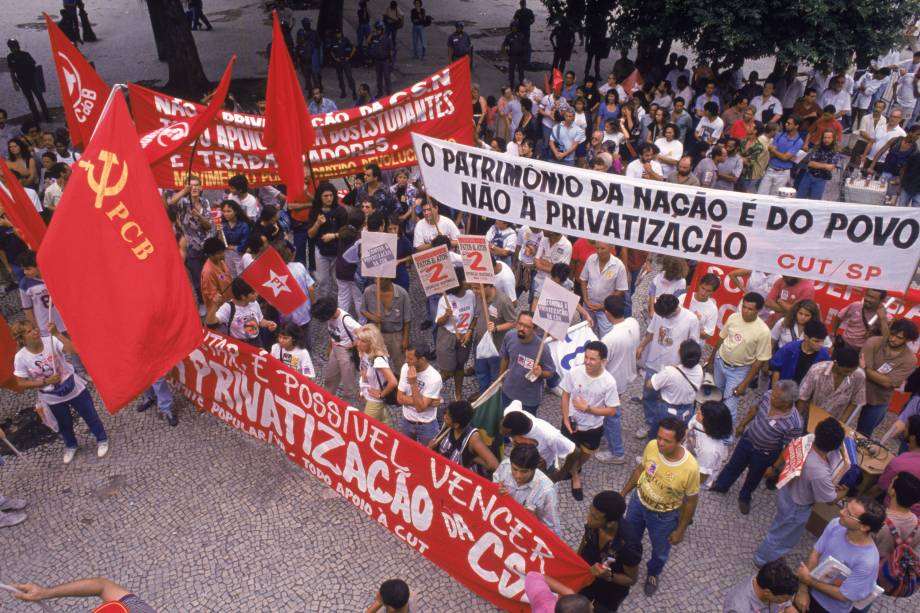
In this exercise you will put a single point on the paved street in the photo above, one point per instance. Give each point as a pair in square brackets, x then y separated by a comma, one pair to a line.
[202, 518]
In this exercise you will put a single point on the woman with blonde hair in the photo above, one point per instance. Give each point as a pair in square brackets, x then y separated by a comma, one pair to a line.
[40, 364]
[376, 378]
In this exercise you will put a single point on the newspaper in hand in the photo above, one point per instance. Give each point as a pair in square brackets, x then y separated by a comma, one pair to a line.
[833, 571]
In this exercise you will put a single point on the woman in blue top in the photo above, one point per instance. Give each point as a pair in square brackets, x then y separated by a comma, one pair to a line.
[610, 109]
[235, 226]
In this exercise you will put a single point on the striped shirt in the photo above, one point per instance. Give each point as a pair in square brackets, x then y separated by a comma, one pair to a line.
[773, 433]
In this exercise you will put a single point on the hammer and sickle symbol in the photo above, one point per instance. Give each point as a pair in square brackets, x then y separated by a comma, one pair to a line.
[102, 187]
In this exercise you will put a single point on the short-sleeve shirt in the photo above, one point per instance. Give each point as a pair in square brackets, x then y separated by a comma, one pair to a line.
[371, 377]
[302, 314]
[503, 239]
[463, 307]
[527, 237]
[35, 366]
[742, 599]
[600, 391]
[603, 281]
[342, 329]
[710, 453]
[818, 388]
[552, 445]
[853, 324]
[667, 335]
[399, 313]
[520, 356]
[429, 386]
[560, 252]
[676, 383]
[897, 369]
[792, 294]
[744, 342]
[246, 318]
[862, 560]
[903, 525]
[814, 484]
[707, 130]
[773, 433]
[621, 344]
[707, 313]
[298, 360]
[784, 144]
[426, 232]
[135, 605]
[664, 484]
[624, 549]
[909, 461]
[33, 294]
[731, 166]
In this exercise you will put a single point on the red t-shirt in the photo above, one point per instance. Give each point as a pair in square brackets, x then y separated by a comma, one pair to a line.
[791, 294]
[581, 250]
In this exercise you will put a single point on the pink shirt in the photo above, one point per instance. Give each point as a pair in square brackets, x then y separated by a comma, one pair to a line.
[542, 599]
[853, 325]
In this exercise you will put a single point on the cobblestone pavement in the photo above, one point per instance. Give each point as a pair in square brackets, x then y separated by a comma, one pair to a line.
[203, 518]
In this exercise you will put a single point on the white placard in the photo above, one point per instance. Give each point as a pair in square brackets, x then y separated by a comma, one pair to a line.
[378, 254]
[555, 309]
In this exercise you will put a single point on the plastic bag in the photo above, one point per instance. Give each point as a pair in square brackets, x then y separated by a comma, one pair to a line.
[47, 417]
[486, 347]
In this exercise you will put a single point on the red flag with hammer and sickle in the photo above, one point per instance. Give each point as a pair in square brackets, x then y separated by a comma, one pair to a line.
[113, 269]
[288, 131]
[83, 92]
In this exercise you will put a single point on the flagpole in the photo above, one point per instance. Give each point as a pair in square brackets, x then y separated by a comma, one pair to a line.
[379, 305]
[105, 108]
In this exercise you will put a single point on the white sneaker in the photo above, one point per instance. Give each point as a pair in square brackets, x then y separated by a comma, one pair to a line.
[605, 457]
[69, 454]
[102, 449]
[642, 432]
[11, 518]
[12, 504]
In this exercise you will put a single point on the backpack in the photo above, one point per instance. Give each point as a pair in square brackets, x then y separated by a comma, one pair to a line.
[899, 573]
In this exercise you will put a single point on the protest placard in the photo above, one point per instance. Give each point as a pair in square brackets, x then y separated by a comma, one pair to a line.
[378, 254]
[555, 309]
[435, 270]
[477, 261]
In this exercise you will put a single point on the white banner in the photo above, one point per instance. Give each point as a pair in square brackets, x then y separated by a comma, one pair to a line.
[477, 261]
[378, 254]
[569, 353]
[555, 309]
[872, 246]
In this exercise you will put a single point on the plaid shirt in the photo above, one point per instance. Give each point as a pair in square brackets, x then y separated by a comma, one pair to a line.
[537, 496]
[191, 229]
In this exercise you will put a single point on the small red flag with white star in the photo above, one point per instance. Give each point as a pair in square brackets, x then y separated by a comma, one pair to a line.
[269, 276]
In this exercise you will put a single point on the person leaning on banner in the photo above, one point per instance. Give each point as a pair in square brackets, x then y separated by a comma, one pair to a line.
[104, 589]
[795, 359]
[837, 387]
[742, 349]
[499, 320]
[763, 433]
[794, 502]
[887, 363]
[525, 429]
[849, 540]
[392, 316]
[518, 477]
[518, 352]
[460, 441]
[419, 394]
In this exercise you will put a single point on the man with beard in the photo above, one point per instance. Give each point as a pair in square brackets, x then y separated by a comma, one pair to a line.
[518, 354]
[684, 174]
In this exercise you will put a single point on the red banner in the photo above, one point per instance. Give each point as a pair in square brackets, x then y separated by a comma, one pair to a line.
[831, 298]
[454, 518]
[380, 132]
[19, 209]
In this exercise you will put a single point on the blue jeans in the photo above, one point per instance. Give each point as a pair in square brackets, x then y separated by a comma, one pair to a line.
[683, 412]
[785, 531]
[727, 378]
[487, 371]
[613, 434]
[745, 456]
[362, 32]
[528, 408]
[811, 187]
[870, 416]
[545, 150]
[602, 325]
[163, 395]
[418, 42]
[431, 312]
[649, 402]
[905, 199]
[418, 431]
[660, 526]
[83, 405]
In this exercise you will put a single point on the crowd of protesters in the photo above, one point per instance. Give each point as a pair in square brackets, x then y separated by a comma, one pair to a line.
[709, 417]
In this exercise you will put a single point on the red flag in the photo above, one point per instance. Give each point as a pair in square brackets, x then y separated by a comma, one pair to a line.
[633, 82]
[546, 83]
[127, 300]
[288, 131]
[269, 276]
[8, 348]
[83, 91]
[165, 141]
[20, 210]
[557, 80]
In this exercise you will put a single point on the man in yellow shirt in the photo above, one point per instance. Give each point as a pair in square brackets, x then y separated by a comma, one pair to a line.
[744, 347]
[667, 485]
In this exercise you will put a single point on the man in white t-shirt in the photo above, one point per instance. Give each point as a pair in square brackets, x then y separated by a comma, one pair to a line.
[502, 239]
[504, 280]
[884, 133]
[419, 394]
[670, 150]
[340, 363]
[34, 297]
[432, 225]
[704, 307]
[709, 129]
[837, 95]
[646, 166]
[238, 188]
[671, 325]
[589, 394]
[767, 107]
[456, 311]
[554, 248]
[524, 428]
[621, 342]
[602, 275]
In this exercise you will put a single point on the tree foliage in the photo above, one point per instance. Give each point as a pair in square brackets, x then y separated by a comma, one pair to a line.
[727, 32]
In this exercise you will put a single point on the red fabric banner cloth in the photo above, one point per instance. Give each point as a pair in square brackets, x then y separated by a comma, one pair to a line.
[8, 349]
[126, 299]
[288, 131]
[831, 298]
[453, 517]
[166, 140]
[20, 210]
[269, 276]
[380, 133]
[83, 92]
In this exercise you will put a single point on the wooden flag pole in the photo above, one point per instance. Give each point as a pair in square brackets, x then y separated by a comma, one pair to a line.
[379, 305]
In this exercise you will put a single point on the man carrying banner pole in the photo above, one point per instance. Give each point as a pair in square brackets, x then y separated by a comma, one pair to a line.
[529, 367]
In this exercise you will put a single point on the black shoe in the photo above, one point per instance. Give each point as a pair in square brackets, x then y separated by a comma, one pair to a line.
[426, 324]
[145, 405]
[342, 94]
[578, 493]
[651, 585]
[744, 506]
